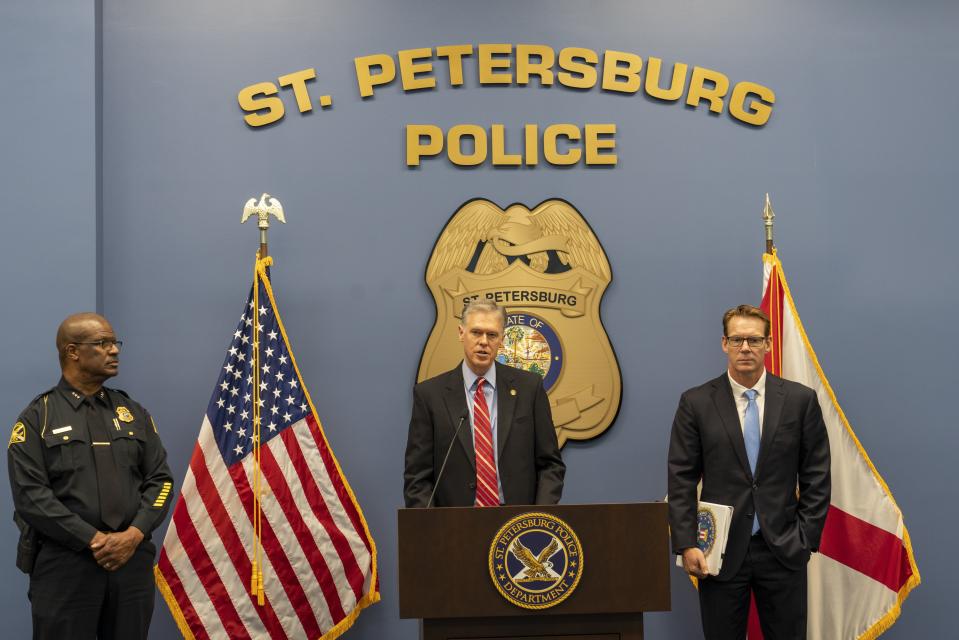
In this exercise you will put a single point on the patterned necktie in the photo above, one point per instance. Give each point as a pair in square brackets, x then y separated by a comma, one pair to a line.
[751, 436]
[487, 494]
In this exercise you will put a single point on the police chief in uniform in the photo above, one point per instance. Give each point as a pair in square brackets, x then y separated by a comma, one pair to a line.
[90, 483]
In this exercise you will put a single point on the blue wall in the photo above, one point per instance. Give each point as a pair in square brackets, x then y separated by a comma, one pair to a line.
[858, 157]
[48, 186]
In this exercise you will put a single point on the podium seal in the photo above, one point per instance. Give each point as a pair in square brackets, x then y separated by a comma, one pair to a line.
[535, 560]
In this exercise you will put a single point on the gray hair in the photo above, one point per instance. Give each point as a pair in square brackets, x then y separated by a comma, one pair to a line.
[482, 305]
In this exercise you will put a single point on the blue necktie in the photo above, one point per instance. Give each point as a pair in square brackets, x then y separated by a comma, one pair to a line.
[751, 436]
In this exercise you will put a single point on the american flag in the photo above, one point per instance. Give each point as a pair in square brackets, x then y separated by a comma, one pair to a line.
[316, 554]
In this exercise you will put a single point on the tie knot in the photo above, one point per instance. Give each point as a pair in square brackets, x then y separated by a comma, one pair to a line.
[479, 383]
[750, 394]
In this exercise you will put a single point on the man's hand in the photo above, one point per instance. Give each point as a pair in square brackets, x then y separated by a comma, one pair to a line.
[113, 550]
[99, 539]
[694, 562]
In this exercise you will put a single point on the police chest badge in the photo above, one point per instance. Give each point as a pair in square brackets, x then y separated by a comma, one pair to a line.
[547, 268]
[535, 560]
[124, 415]
[18, 435]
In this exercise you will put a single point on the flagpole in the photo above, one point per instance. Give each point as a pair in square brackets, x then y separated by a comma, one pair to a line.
[768, 216]
[267, 206]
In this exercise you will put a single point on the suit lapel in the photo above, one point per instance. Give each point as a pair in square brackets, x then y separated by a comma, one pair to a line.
[455, 397]
[772, 413]
[729, 416]
[505, 405]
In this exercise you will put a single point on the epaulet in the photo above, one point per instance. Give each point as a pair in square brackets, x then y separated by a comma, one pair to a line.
[41, 394]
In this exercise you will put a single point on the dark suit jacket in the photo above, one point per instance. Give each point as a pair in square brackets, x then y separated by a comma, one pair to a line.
[530, 467]
[707, 443]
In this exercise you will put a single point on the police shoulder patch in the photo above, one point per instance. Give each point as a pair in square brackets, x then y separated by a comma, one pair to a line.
[18, 435]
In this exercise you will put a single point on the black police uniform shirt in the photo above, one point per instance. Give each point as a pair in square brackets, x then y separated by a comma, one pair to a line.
[54, 477]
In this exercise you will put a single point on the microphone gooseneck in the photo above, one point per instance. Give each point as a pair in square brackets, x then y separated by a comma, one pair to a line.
[439, 475]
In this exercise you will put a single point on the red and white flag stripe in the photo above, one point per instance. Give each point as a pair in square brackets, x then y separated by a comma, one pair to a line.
[205, 560]
[865, 567]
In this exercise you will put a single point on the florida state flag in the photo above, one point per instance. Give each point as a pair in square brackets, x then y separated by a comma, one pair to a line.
[865, 567]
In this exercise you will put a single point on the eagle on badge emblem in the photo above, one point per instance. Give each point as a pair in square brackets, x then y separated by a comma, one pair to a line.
[547, 268]
[537, 567]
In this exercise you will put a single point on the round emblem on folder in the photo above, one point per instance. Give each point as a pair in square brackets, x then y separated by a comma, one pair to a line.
[707, 530]
[535, 560]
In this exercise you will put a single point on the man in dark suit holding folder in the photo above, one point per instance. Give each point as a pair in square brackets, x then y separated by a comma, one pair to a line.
[489, 424]
[758, 443]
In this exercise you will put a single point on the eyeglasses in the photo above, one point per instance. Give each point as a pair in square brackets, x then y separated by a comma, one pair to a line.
[753, 341]
[106, 344]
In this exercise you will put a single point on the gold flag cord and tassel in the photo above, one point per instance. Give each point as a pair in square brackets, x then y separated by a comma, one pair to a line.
[256, 579]
[264, 208]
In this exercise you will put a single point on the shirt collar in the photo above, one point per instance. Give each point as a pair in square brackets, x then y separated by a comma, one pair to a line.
[469, 378]
[738, 389]
[74, 397]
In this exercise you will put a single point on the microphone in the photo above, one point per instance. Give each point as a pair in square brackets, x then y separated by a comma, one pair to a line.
[439, 475]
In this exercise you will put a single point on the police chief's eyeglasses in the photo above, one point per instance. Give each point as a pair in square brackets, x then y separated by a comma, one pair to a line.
[752, 341]
[106, 344]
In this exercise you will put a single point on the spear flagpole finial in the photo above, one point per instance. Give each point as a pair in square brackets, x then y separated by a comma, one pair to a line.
[267, 206]
[768, 215]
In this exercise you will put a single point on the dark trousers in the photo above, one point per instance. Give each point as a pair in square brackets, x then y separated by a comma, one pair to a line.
[74, 599]
[780, 598]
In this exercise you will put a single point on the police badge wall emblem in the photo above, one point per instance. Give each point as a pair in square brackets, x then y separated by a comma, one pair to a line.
[535, 560]
[547, 268]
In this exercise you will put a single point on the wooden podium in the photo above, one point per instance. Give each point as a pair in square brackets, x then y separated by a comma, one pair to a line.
[445, 580]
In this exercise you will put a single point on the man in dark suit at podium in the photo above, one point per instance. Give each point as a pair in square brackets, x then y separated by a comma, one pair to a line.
[507, 451]
[758, 443]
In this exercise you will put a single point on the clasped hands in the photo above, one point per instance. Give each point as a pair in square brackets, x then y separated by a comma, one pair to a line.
[113, 550]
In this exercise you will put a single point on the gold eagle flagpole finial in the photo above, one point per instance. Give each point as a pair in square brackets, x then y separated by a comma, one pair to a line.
[267, 206]
[768, 216]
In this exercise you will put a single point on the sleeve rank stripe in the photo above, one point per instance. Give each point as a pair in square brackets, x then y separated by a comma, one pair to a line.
[162, 496]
